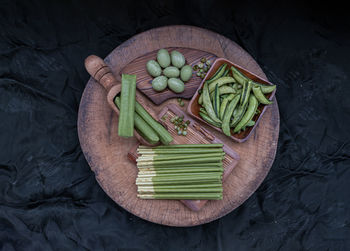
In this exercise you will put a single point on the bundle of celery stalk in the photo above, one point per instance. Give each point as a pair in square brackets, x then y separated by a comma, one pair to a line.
[192, 171]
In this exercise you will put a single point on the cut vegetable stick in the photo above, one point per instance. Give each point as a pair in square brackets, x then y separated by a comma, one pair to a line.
[158, 190]
[181, 170]
[185, 146]
[175, 166]
[177, 156]
[183, 196]
[127, 106]
[182, 161]
[164, 136]
[178, 151]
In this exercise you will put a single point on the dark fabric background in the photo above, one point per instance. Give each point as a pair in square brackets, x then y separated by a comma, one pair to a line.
[49, 199]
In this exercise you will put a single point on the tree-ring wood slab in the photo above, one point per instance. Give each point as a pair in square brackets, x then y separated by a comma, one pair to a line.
[106, 152]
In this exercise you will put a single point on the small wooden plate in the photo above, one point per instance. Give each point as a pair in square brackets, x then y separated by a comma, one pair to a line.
[193, 107]
[196, 134]
[144, 80]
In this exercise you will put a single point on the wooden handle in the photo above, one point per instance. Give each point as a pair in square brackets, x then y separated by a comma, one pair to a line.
[101, 72]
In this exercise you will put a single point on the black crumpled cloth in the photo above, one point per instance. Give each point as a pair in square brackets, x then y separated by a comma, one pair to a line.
[49, 198]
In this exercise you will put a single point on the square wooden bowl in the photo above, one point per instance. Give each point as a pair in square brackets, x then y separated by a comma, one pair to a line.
[193, 107]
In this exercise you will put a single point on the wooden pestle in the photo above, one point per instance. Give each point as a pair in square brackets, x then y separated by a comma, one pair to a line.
[101, 72]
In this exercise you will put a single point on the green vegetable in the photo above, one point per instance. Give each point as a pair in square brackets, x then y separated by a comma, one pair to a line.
[240, 78]
[217, 101]
[154, 157]
[200, 99]
[163, 58]
[218, 73]
[186, 73]
[185, 196]
[176, 85]
[224, 104]
[246, 92]
[209, 120]
[208, 105]
[260, 96]
[226, 72]
[266, 88]
[153, 68]
[171, 72]
[182, 146]
[253, 105]
[177, 59]
[228, 115]
[220, 81]
[203, 110]
[127, 106]
[164, 136]
[141, 126]
[159, 83]
[250, 123]
[238, 116]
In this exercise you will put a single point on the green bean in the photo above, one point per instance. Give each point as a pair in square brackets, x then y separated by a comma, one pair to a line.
[253, 105]
[246, 92]
[250, 123]
[209, 120]
[200, 100]
[208, 105]
[226, 73]
[240, 112]
[228, 114]
[203, 110]
[260, 96]
[224, 104]
[218, 73]
[217, 100]
[266, 88]
[221, 81]
[236, 72]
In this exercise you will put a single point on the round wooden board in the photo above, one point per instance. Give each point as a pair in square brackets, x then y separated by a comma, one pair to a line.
[106, 152]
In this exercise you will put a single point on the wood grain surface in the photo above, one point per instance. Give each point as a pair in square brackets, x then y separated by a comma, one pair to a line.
[106, 152]
[144, 80]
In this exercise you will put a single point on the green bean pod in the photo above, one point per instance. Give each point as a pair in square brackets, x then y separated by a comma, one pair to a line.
[253, 105]
[246, 92]
[260, 96]
[228, 115]
[217, 100]
[224, 104]
[250, 123]
[218, 73]
[240, 112]
[203, 110]
[208, 105]
[225, 74]
[200, 100]
[266, 88]
[220, 81]
[209, 120]
[240, 78]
